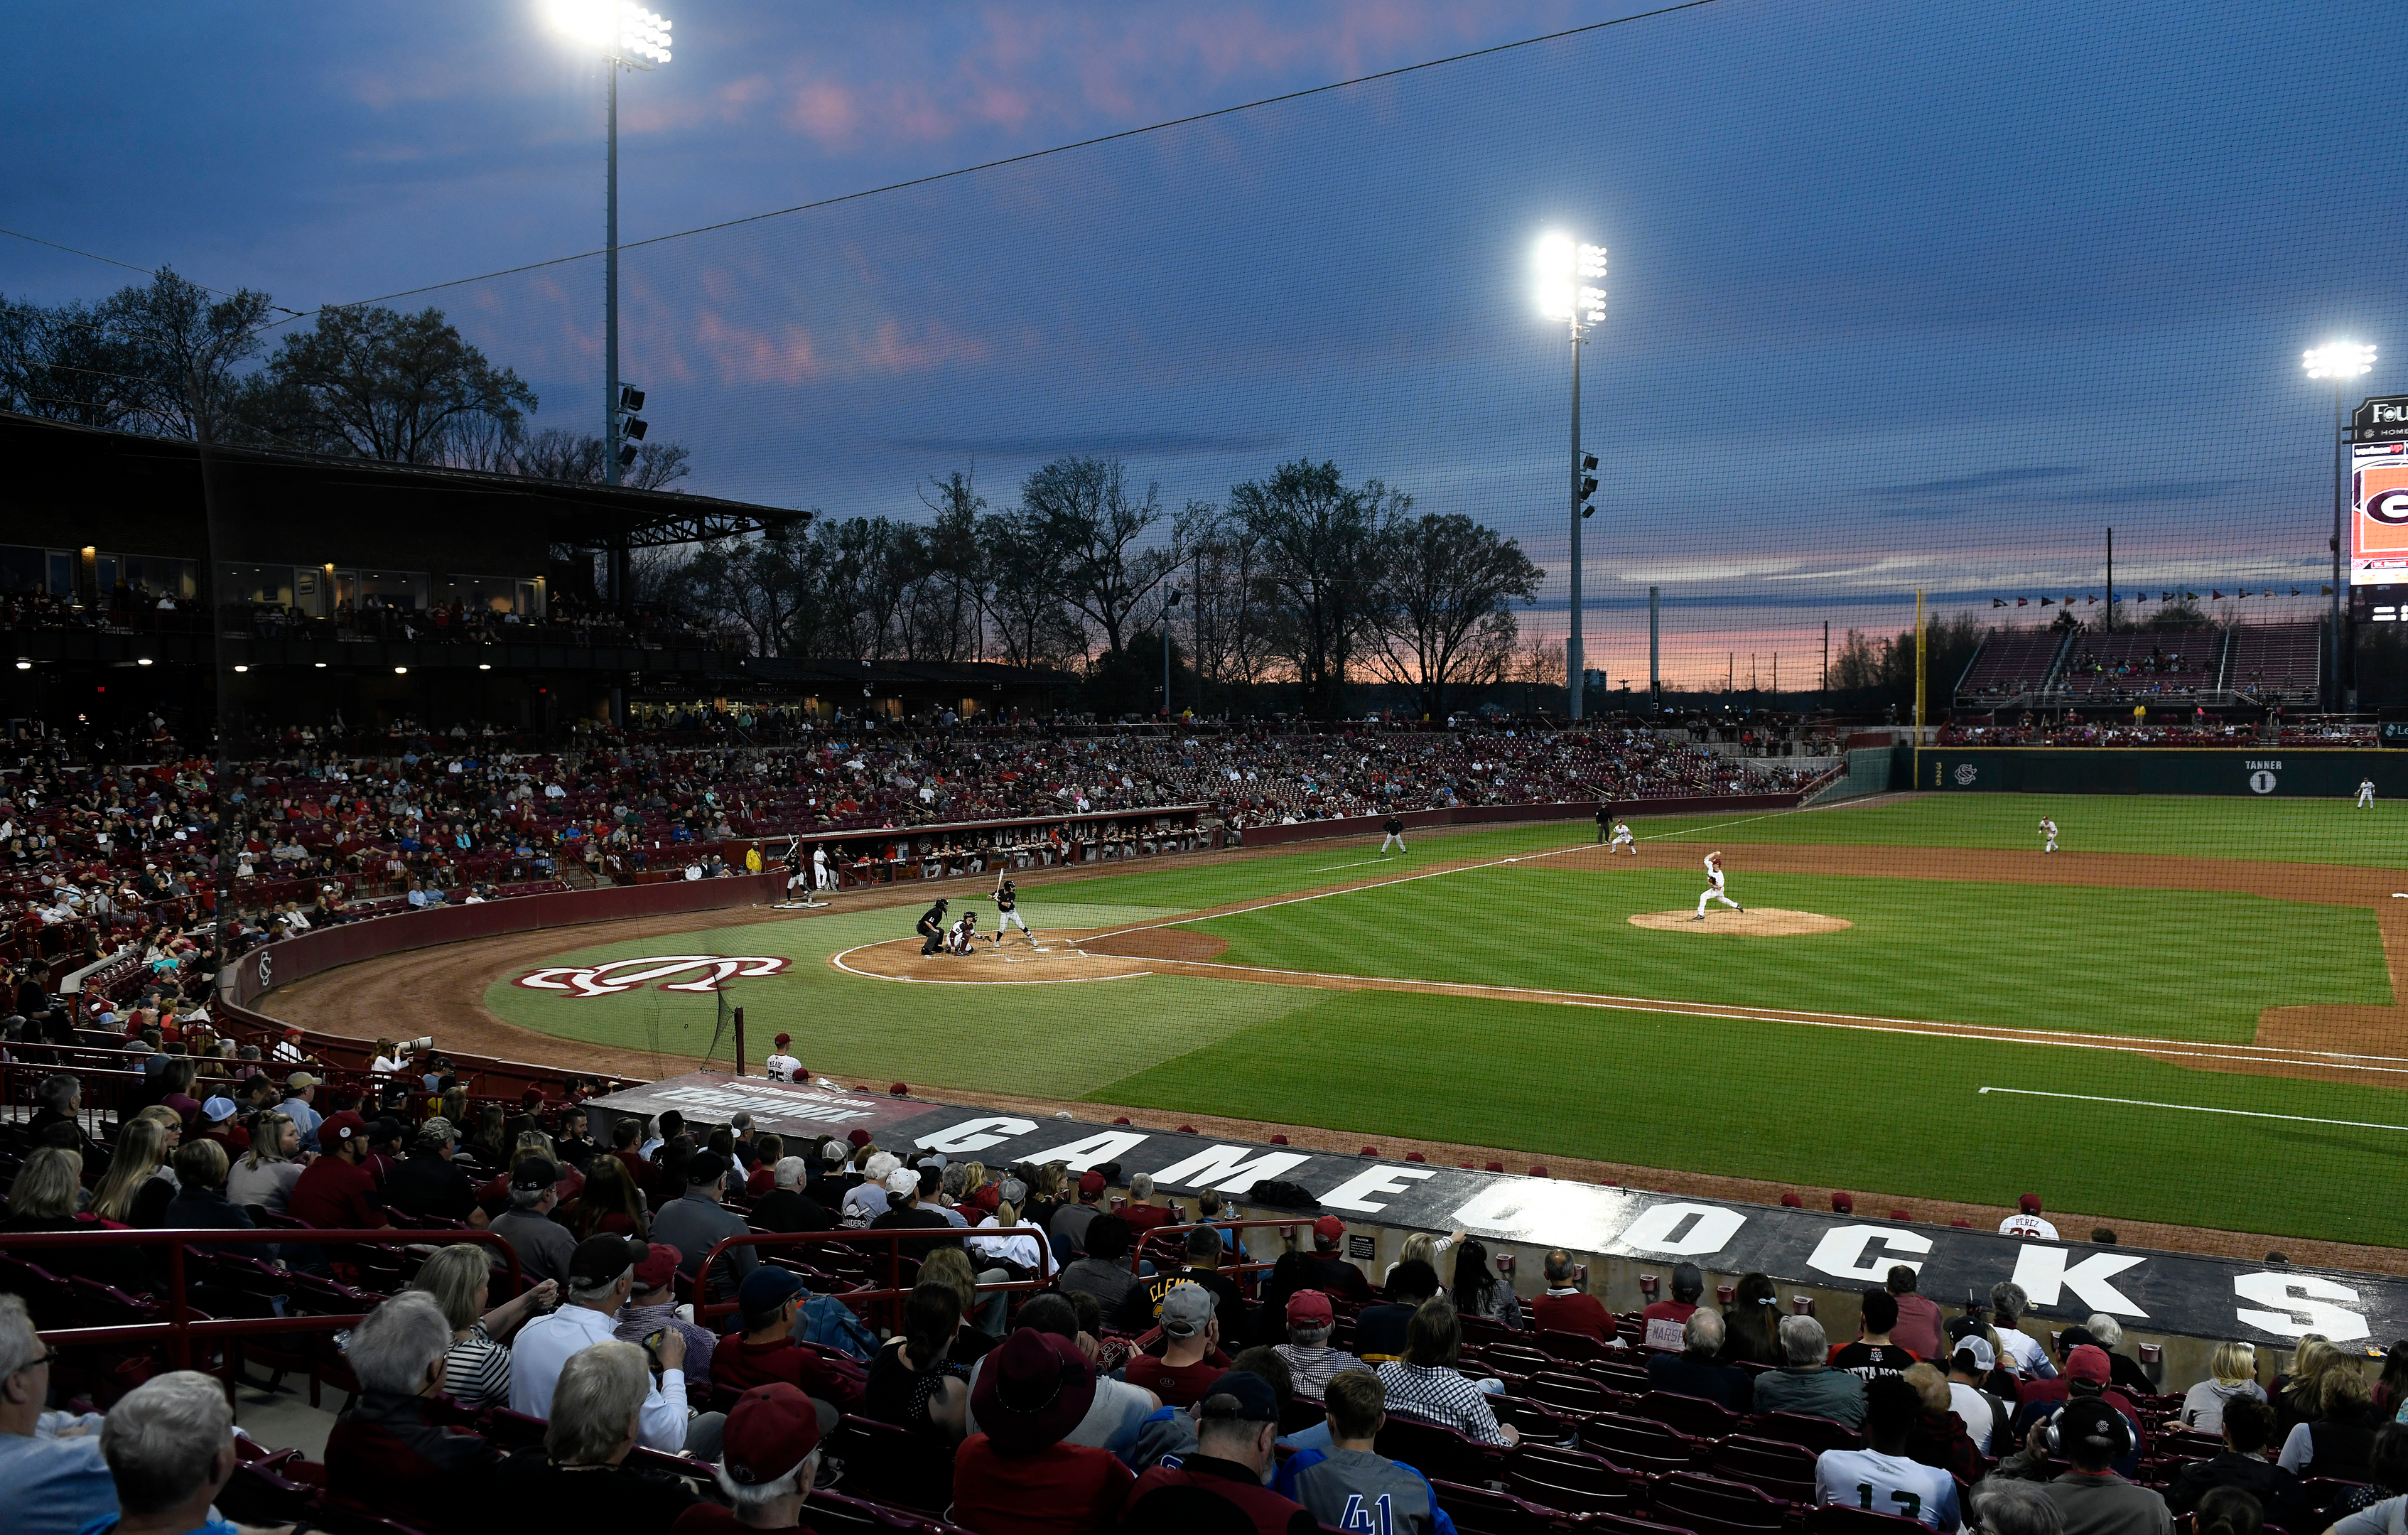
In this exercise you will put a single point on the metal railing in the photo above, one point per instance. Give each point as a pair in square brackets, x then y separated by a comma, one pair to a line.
[1244, 1265]
[180, 1326]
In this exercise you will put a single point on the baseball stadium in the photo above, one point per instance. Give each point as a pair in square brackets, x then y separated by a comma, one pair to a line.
[1095, 859]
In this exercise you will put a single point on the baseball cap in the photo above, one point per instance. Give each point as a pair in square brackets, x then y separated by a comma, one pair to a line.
[217, 1111]
[769, 1432]
[599, 1260]
[652, 1270]
[834, 1153]
[299, 1079]
[2087, 1363]
[1016, 1191]
[341, 1127]
[903, 1180]
[766, 1289]
[2029, 1204]
[858, 1136]
[1240, 1396]
[1977, 1348]
[1328, 1229]
[1186, 1309]
[2091, 1421]
[1309, 1309]
[785, 1038]
[534, 1172]
[706, 1168]
[1090, 1184]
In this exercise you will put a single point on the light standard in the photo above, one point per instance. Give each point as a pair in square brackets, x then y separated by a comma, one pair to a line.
[1168, 603]
[628, 37]
[1564, 264]
[2339, 361]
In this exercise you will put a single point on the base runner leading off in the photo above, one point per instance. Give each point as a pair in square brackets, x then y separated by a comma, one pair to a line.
[1714, 890]
[1622, 838]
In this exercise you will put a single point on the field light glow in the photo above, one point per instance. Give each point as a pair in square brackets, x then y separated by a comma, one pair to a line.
[2337, 360]
[1561, 264]
[616, 26]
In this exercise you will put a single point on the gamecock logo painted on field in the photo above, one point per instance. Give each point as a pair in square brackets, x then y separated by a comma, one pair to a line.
[620, 976]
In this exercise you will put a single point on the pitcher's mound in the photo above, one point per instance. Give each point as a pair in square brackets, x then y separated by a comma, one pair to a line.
[1755, 921]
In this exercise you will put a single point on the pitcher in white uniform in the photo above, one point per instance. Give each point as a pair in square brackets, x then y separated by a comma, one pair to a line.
[1714, 890]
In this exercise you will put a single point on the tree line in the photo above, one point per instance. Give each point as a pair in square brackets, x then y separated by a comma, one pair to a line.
[173, 359]
[1300, 577]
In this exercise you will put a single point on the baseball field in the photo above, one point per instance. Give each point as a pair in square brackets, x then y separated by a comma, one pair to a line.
[2186, 1015]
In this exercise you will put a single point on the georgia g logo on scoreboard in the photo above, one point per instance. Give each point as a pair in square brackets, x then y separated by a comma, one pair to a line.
[2388, 506]
[620, 976]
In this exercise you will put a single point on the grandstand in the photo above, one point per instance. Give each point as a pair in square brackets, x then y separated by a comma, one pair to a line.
[2139, 663]
[2273, 661]
[2010, 665]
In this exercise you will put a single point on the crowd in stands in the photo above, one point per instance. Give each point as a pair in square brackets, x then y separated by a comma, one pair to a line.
[2202, 729]
[140, 609]
[1052, 1361]
[108, 844]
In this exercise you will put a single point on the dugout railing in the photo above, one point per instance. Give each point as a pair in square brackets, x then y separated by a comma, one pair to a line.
[1159, 1243]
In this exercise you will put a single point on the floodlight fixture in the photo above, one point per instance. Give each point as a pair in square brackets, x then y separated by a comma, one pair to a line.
[2338, 360]
[634, 426]
[1572, 290]
[630, 397]
[142, 661]
[621, 29]
[626, 455]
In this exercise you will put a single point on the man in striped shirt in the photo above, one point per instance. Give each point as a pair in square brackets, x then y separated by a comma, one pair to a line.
[1311, 1360]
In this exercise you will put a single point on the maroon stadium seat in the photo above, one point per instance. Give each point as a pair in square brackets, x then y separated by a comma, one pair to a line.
[1571, 1345]
[892, 1465]
[1843, 1519]
[1817, 1434]
[1568, 1393]
[1693, 1415]
[1483, 1510]
[1711, 1506]
[1437, 1451]
[1571, 1481]
[1783, 1470]
[1639, 1444]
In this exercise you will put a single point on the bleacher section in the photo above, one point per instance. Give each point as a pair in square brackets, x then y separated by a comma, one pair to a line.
[2142, 664]
[2275, 660]
[2011, 662]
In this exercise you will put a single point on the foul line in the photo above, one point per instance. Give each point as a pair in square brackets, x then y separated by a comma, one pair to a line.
[1365, 864]
[2195, 1109]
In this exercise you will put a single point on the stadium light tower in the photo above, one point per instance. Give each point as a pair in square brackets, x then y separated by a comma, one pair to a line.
[1566, 294]
[627, 36]
[2339, 362]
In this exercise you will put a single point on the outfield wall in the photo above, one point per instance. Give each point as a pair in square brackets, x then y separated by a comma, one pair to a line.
[1474, 815]
[2272, 772]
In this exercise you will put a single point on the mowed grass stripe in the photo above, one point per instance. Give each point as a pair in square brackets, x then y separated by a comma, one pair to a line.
[2021, 956]
[1819, 1109]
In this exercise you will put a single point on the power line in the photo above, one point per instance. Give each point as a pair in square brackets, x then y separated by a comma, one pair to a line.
[1021, 159]
[112, 261]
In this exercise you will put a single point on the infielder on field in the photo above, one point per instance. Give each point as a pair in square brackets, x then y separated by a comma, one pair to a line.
[1714, 890]
[1006, 911]
[1622, 838]
[2047, 835]
[2366, 794]
[1395, 829]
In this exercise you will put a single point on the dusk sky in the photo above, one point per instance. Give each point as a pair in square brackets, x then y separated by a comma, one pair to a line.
[1902, 294]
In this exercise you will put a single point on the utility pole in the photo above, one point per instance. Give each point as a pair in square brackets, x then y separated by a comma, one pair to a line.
[1826, 656]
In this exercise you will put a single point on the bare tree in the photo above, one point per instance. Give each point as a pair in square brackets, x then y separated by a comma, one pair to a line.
[380, 385]
[1034, 624]
[1447, 618]
[1084, 512]
[1322, 542]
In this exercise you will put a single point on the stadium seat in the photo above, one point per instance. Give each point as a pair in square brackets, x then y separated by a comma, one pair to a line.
[1571, 1481]
[1783, 1470]
[1815, 1434]
[1571, 1345]
[1711, 1506]
[1483, 1510]
[1639, 1444]
[1574, 1394]
[1624, 1524]
[838, 1515]
[1693, 1415]
[1437, 1451]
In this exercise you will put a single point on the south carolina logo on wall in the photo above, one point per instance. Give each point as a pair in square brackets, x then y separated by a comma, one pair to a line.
[620, 976]
[1967, 772]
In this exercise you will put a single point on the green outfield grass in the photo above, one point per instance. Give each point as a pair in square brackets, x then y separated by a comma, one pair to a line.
[1817, 1106]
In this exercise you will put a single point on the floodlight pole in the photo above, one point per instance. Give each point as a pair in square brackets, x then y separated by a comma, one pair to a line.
[2341, 499]
[1573, 665]
[610, 300]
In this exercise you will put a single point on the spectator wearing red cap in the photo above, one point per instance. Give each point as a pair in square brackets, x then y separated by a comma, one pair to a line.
[653, 1307]
[768, 1466]
[1221, 1485]
[1117, 1416]
[1068, 1228]
[1016, 1476]
[1330, 1270]
[2085, 1378]
[337, 1191]
[768, 1303]
[1311, 1360]
[578, 1479]
[2027, 1222]
[1566, 1307]
[385, 1453]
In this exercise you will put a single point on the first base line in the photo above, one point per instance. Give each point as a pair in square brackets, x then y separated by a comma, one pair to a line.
[2193, 1107]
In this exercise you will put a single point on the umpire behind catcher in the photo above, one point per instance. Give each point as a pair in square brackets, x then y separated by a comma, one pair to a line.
[932, 928]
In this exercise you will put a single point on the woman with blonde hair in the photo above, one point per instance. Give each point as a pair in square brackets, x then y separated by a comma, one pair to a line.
[141, 1154]
[1428, 1247]
[2299, 1395]
[2338, 1439]
[44, 1198]
[2231, 1371]
[477, 1371]
[267, 1173]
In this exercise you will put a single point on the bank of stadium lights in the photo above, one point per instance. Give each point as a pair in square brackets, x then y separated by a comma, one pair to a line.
[637, 38]
[2337, 362]
[1570, 293]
